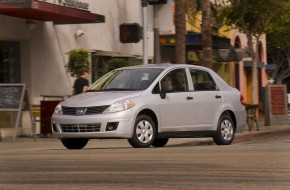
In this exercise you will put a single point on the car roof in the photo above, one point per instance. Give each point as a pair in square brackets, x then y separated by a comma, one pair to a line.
[164, 66]
[168, 66]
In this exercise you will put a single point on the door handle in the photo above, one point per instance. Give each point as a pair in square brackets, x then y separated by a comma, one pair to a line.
[189, 98]
[218, 97]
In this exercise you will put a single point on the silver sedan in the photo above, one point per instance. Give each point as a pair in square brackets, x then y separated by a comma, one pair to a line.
[149, 104]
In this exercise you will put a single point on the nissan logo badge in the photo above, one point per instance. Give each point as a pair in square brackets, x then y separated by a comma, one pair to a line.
[80, 111]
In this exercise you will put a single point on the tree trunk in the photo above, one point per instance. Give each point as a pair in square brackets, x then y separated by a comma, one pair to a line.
[255, 86]
[206, 34]
[254, 74]
[180, 48]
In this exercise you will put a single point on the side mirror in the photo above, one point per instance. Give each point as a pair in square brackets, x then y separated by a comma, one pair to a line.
[162, 93]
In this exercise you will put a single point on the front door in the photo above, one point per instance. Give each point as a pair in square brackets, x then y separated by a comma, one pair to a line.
[176, 108]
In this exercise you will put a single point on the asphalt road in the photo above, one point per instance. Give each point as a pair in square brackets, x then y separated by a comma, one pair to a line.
[113, 164]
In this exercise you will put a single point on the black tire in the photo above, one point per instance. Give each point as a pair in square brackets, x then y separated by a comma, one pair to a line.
[225, 131]
[74, 143]
[144, 132]
[160, 142]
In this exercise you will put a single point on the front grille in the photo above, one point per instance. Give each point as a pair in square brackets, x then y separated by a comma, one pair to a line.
[96, 110]
[80, 128]
[68, 111]
[83, 110]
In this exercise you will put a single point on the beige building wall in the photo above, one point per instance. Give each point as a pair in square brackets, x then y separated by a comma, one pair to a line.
[44, 46]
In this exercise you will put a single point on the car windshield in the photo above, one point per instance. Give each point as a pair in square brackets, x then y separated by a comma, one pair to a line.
[126, 79]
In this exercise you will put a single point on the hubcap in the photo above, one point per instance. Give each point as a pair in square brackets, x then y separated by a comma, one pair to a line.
[227, 130]
[144, 131]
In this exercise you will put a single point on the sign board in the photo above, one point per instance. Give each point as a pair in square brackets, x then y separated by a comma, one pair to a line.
[12, 99]
[11, 96]
[76, 4]
[17, 3]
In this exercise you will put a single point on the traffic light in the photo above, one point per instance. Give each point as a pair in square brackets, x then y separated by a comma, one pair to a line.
[130, 33]
[156, 2]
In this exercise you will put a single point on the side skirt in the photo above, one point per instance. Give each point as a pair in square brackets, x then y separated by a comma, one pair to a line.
[186, 134]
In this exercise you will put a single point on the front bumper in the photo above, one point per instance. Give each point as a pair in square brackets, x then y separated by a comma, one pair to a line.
[93, 126]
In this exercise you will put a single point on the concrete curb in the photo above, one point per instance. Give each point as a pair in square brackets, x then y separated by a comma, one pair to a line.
[257, 135]
[245, 136]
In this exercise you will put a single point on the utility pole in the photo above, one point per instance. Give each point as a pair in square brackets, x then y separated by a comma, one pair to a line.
[206, 34]
[144, 23]
[157, 58]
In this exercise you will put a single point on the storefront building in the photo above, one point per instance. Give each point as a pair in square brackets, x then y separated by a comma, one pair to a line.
[231, 60]
[35, 36]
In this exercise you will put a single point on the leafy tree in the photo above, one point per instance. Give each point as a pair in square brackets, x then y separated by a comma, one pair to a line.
[278, 47]
[254, 18]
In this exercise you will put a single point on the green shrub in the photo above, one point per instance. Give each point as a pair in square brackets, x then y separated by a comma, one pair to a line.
[116, 63]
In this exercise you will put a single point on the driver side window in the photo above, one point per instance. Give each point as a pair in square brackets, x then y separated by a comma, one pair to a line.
[174, 81]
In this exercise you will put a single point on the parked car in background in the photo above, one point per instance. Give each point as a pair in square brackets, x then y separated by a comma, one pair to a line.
[140, 104]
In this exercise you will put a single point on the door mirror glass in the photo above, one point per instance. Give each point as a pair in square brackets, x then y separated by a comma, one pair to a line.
[162, 93]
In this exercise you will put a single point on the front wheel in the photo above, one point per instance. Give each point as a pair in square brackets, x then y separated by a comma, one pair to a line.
[225, 131]
[144, 132]
[160, 142]
[74, 143]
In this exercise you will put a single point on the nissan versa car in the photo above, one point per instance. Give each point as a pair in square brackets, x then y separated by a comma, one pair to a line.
[149, 104]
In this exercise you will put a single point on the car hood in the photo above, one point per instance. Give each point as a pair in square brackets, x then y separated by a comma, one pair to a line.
[90, 99]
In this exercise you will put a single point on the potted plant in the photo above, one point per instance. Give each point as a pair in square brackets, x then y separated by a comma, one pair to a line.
[78, 59]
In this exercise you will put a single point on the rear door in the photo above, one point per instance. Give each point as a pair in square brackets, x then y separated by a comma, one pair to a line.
[207, 97]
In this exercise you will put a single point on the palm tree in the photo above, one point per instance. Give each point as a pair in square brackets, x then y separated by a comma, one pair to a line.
[179, 18]
[206, 33]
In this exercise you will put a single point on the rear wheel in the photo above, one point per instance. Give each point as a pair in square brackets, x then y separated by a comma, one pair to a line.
[144, 133]
[160, 142]
[74, 143]
[225, 131]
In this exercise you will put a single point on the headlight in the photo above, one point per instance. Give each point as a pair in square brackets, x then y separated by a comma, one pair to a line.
[120, 106]
[57, 109]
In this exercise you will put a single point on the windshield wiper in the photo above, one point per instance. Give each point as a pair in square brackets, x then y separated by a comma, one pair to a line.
[118, 89]
[93, 90]
[113, 89]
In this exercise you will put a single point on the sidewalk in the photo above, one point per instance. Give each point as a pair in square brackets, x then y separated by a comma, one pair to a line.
[264, 132]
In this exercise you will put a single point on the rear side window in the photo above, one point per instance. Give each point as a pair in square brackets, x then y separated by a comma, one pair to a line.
[202, 81]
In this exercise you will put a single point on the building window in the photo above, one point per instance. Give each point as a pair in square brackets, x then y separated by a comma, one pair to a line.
[10, 62]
